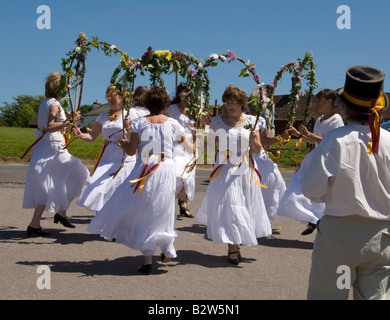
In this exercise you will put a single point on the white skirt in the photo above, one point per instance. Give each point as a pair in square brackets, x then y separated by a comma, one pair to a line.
[54, 177]
[99, 188]
[142, 221]
[185, 177]
[273, 180]
[233, 208]
[294, 204]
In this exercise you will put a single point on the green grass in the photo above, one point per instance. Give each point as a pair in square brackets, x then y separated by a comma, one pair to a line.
[15, 141]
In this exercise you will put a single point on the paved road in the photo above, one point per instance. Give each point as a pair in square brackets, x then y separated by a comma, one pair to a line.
[85, 267]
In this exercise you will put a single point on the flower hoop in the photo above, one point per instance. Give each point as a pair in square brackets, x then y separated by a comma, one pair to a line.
[296, 69]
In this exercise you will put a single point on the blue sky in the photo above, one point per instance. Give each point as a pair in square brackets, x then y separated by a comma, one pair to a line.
[268, 33]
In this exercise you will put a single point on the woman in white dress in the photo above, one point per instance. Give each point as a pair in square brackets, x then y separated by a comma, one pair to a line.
[141, 212]
[105, 177]
[293, 203]
[233, 208]
[54, 177]
[272, 177]
[185, 176]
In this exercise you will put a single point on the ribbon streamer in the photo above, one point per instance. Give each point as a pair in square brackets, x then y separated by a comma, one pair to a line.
[105, 144]
[44, 131]
[140, 182]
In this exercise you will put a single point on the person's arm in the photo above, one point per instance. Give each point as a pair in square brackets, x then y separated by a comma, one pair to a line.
[255, 141]
[308, 136]
[268, 141]
[54, 125]
[91, 136]
[187, 145]
[130, 147]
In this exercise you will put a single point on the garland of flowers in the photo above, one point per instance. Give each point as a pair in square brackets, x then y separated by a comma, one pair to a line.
[249, 69]
[74, 67]
[161, 62]
[296, 70]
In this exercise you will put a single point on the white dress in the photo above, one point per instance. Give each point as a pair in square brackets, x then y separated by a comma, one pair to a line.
[271, 177]
[54, 177]
[137, 111]
[293, 203]
[233, 208]
[101, 185]
[182, 158]
[145, 220]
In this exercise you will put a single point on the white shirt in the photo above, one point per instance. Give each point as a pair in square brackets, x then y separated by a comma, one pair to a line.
[346, 177]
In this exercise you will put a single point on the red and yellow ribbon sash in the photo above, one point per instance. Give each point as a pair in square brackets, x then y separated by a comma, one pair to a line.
[140, 182]
[105, 144]
[190, 165]
[44, 131]
[374, 121]
[258, 182]
[69, 139]
[215, 173]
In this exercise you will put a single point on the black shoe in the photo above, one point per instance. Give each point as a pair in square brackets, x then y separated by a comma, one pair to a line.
[184, 212]
[310, 228]
[146, 269]
[64, 221]
[36, 232]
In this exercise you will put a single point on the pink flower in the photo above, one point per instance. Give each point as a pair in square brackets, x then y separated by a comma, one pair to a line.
[252, 68]
[232, 56]
[192, 72]
[256, 77]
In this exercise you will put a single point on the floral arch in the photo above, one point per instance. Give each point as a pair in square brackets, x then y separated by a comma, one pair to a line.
[160, 62]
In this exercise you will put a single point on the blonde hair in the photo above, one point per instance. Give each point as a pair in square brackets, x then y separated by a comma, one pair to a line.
[112, 89]
[52, 85]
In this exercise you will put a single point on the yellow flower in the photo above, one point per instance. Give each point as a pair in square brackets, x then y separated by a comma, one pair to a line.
[125, 58]
[159, 53]
[70, 73]
[168, 55]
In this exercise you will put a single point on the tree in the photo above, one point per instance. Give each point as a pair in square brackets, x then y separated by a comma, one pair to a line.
[20, 112]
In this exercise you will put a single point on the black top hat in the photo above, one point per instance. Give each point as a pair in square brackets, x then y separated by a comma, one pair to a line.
[363, 89]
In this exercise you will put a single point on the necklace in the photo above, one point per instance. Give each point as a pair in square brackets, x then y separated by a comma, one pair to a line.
[235, 123]
[113, 115]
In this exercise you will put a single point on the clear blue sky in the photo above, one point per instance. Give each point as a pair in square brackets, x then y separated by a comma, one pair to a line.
[269, 33]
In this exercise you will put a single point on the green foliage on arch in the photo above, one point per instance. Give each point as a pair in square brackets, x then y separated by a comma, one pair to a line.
[157, 63]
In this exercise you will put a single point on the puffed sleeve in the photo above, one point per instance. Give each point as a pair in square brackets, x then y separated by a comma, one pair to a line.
[324, 164]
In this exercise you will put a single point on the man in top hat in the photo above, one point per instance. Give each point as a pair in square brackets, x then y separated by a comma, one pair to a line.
[350, 173]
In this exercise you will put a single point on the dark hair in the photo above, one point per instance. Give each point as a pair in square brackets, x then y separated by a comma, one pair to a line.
[179, 89]
[156, 100]
[327, 94]
[138, 96]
